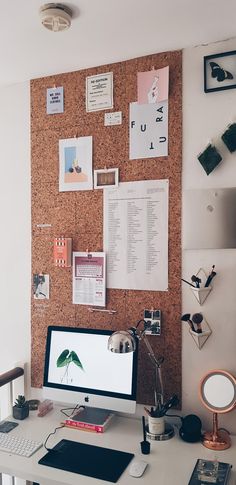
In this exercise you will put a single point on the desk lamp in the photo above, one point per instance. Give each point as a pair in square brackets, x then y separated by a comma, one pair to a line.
[125, 341]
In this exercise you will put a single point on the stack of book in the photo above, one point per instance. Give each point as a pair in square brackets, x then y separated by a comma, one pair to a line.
[207, 471]
[90, 419]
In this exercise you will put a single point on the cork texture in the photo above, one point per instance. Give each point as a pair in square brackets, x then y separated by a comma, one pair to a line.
[79, 215]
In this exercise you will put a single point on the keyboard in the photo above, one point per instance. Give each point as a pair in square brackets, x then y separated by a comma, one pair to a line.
[18, 445]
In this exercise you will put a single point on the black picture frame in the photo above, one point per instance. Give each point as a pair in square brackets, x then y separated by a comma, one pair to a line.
[220, 71]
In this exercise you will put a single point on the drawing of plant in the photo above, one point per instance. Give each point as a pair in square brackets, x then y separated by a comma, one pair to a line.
[65, 359]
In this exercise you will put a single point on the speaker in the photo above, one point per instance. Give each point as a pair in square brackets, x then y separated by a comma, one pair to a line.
[190, 430]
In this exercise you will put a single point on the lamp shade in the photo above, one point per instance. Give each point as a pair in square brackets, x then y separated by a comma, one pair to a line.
[122, 342]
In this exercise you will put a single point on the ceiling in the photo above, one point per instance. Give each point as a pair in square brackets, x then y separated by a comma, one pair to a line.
[105, 31]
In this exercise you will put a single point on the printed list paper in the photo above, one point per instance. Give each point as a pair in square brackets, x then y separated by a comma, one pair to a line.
[89, 278]
[136, 235]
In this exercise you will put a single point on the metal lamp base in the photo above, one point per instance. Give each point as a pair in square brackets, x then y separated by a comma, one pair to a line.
[220, 441]
[168, 433]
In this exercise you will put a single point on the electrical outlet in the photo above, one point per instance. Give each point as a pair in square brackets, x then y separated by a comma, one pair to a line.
[152, 323]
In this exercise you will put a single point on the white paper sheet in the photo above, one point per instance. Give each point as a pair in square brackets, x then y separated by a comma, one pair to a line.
[55, 100]
[136, 235]
[75, 159]
[99, 92]
[148, 130]
[89, 278]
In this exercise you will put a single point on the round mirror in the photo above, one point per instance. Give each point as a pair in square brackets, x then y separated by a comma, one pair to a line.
[218, 391]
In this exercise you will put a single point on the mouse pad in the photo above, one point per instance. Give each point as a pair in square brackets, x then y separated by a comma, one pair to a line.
[89, 460]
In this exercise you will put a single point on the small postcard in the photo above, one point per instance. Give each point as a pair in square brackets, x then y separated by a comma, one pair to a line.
[111, 119]
[75, 157]
[41, 286]
[55, 100]
[108, 177]
[153, 86]
[89, 278]
[99, 92]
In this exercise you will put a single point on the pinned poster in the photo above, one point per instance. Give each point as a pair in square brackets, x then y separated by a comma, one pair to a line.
[89, 278]
[99, 92]
[55, 100]
[153, 86]
[75, 158]
[148, 130]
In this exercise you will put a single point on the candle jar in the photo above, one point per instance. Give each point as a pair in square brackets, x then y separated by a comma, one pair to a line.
[156, 425]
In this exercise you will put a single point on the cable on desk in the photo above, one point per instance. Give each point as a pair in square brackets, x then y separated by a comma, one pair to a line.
[50, 434]
[72, 412]
[63, 425]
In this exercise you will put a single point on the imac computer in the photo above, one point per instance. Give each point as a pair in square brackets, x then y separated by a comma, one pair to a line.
[79, 369]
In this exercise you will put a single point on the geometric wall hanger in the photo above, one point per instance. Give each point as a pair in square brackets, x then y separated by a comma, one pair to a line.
[201, 338]
[202, 293]
[229, 137]
[209, 158]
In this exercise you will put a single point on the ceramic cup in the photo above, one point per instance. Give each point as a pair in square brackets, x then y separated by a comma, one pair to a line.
[156, 425]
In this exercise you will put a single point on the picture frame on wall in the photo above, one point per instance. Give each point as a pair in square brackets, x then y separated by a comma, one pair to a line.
[220, 71]
[109, 177]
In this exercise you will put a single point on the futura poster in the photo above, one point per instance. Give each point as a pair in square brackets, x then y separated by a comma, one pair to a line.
[148, 130]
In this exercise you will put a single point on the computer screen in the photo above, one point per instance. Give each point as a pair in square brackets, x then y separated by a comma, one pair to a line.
[80, 369]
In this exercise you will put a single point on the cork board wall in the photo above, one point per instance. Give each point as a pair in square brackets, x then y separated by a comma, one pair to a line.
[80, 214]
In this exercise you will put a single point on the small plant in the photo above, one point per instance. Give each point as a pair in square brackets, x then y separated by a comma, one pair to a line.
[21, 408]
[21, 402]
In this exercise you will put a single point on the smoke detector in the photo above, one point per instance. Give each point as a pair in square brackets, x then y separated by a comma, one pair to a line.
[55, 16]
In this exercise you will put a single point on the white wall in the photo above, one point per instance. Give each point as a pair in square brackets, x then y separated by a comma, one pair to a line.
[205, 117]
[15, 225]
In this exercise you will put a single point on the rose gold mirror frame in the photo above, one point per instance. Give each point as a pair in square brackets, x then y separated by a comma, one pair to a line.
[217, 439]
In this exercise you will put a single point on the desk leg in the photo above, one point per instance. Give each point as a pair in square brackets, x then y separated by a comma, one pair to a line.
[0, 478]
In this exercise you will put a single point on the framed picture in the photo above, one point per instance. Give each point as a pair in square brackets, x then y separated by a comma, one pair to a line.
[108, 177]
[220, 71]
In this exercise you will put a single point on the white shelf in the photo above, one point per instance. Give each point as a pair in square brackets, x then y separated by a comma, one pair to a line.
[201, 338]
[201, 293]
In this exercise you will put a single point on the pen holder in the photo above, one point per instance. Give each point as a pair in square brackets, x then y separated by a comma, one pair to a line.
[156, 425]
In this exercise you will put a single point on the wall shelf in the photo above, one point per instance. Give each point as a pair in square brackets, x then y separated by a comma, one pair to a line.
[201, 338]
[201, 294]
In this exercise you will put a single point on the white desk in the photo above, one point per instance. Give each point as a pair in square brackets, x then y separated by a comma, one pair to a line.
[170, 462]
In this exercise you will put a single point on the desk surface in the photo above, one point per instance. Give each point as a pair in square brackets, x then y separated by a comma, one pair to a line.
[170, 462]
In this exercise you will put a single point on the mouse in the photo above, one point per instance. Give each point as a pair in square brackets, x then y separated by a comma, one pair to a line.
[137, 468]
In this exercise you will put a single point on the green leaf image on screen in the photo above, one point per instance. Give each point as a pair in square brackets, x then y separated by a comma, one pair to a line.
[65, 359]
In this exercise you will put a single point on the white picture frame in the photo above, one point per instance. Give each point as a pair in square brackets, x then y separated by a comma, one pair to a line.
[107, 177]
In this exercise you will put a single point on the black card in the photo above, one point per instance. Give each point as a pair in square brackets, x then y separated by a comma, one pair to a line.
[7, 426]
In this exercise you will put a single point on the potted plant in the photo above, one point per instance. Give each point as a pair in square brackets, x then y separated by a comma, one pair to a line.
[21, 408]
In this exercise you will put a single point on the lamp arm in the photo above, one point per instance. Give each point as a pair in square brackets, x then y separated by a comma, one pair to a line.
[151, 354]
[158, 373]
